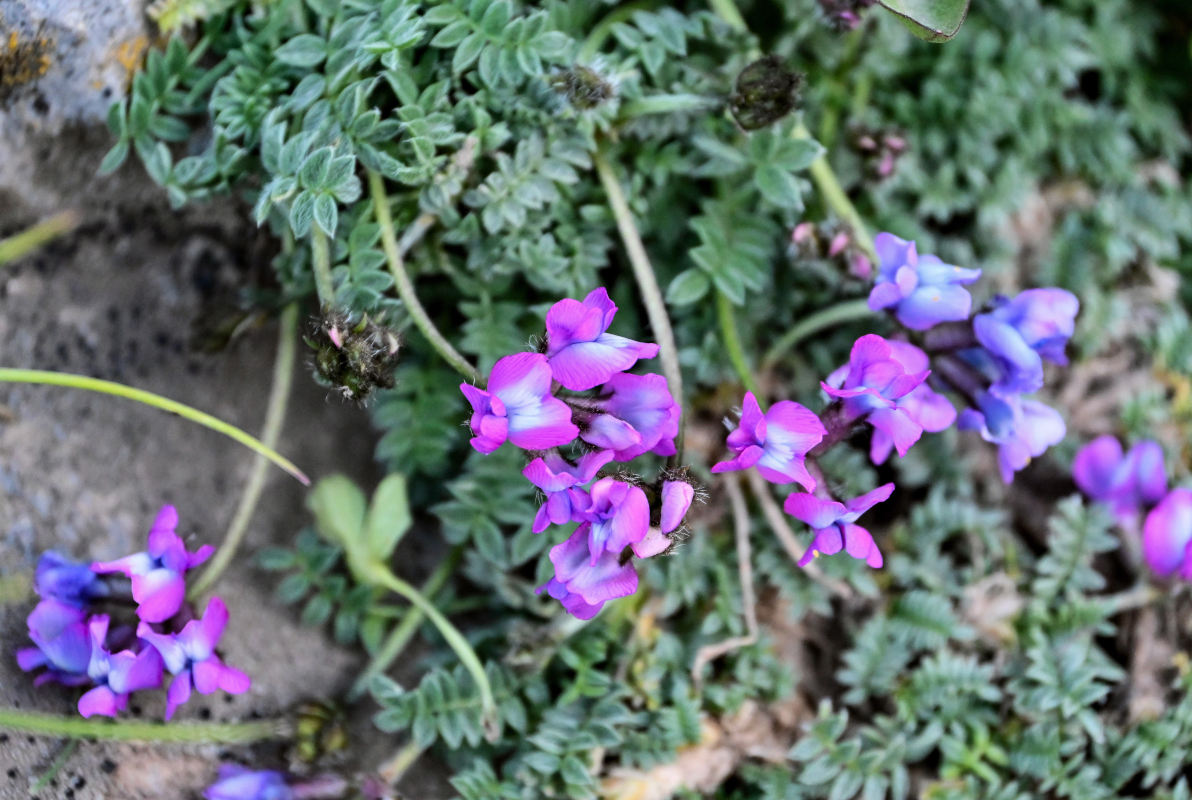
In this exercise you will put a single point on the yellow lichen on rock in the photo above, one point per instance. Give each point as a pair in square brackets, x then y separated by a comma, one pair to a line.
[23, 61]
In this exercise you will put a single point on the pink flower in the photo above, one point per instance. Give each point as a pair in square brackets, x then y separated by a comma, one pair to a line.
[581, 352]
[519, 406]
[775, 442]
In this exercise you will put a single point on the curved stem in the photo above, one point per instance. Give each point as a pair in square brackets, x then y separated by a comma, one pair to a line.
[120, 730]
[601, 30]
[732, 343]
[401, 633]
[405, 288]
[668, 104]
[72, 381]
[320, 260]
[455, 640]
[825, 318]
[275, 414]
[646, 281]
[28, 240]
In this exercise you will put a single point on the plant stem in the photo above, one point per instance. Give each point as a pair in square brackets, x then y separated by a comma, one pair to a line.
[37, 724]
[727, 10]
[392, 770]
[601, 30]
[275, 414]
[646, 281]
[72, 381]
[57, 765]
[28, 240]
[825, 318]
[668, 104]
[320, 260]
[16, 588]
[732, 344]
[835, 197]
[405, 628]
[405, 288]
[455, 640]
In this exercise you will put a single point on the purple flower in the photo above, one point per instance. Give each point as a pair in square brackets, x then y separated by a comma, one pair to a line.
[1022, 429]
[239, 783]
[775, 442]
[1020, 333]
[584, 584]
[190, 657]
[116, 674]
[63, 644]
[68, 581]
[582, 354]
[556, 476]
[1167, 533]
[922, 290]
[834, 526]
[573, 603]
[871, 388]
[926, 407]
[617, 516]
[639, 416]
[1123, 482]
[676, 500]
[519, 406]
[158, 585]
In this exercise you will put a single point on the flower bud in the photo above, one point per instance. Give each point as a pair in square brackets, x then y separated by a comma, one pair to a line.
[766, 92]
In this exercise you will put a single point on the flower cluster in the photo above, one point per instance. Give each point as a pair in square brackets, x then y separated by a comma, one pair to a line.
[1133, 483]
[606, 415]
[77, 646]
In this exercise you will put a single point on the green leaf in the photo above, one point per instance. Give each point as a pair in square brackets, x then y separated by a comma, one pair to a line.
[779, 187]
[305, 50]
[339, 509]
[326, 214]
[931, 20]
[688, 286]
[388, 517]
[302, 213]
[115, 157]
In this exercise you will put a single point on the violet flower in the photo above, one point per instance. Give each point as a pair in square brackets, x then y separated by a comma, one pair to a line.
[1021, 333]
[834, 526]
[617, 516]
[1023, 430]
[872, 386]
[240, 783]
[639, 416]
[775, 442]
[68, 581]
[116, 674]
[518, 406]
[63, 644]
[926, 407]
[584, 584]
[921, 290]
[556, 476]
[190, 657]
[582, 353]
[1124, 482]
[676, 500]
[1167, 534]
[158, 584]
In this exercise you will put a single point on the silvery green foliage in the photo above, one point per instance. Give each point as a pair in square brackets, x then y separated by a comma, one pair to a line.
[477, 115]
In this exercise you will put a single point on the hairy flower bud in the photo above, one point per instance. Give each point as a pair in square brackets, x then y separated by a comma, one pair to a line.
[766, 92]
[583, 87]
[353, 356]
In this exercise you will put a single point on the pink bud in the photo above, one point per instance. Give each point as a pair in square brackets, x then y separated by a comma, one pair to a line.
[336, 337]
[839, 242]
[803, 232]
[861, 266]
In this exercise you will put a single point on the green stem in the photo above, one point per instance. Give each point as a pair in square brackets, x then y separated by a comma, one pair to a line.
[825, 318]
[56, 766]
[732, 343]
[393, 770]
[668, 104]
[320, 260]
[405, 288]
[121, 730]
[835, 197]
[404, 630]
[28, 240]
[727, 10]
[455, 640]
[643, 272]
[601, 30]
[15, 588]
[275, 414]
[47, 378]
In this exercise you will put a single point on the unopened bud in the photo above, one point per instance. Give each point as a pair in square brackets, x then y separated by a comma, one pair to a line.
[766, 92]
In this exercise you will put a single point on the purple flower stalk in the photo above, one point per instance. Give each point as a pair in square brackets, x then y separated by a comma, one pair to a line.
[158, 584]
[584, 584]
[872, 387]
[1021, 333]
[638, 415]
[775, 442]
[617, 516]
[190, 657]
[63, 644]
[927, 408]
[1167, 534]
[1124, 482]
[1022, 429]
[556, 476]
[240, 783]
[834, 524]
[68, 581]
[519, 406]
[582, 353]
[116, 674]
[921, 290]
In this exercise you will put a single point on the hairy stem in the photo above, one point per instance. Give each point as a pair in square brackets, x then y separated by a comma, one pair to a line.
[732, 344]
[405, 628]
[647, 282]
[668, 104]
[28, 240]
[405, 287]
[601, 30]
[121, 730]
[320, 260]
[810, 325]
[275, 414]
[392, 770]
[69, 380]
